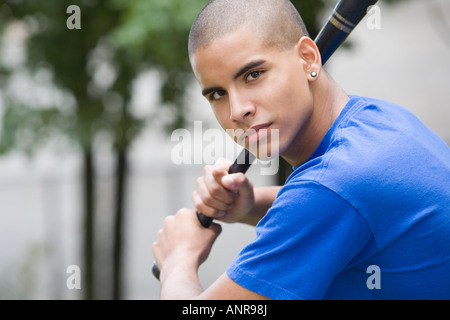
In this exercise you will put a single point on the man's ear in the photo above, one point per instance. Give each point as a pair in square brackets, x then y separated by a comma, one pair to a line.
[310, 57]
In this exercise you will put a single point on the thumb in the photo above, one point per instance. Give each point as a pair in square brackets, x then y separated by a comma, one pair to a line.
[216, 229]
[237, 182]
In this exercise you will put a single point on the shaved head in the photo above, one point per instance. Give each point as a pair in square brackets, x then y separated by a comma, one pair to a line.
[277, 22]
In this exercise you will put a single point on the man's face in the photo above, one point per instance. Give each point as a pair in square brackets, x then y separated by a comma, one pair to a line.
[255, 89]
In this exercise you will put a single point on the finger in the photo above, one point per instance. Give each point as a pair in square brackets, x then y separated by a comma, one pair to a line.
[218, 174]
[221, 168]
[214, 195]
[216, 229]
[211, 186]
[207, 210]
[223, 163]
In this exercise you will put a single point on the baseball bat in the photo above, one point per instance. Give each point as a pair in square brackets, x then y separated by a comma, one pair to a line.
[345, 17]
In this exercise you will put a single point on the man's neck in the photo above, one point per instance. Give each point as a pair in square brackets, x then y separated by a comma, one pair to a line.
[329, 100]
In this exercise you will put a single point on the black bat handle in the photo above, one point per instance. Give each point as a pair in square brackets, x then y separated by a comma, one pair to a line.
[241, 164]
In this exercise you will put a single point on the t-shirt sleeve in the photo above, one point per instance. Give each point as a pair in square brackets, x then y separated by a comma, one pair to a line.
[308, 236]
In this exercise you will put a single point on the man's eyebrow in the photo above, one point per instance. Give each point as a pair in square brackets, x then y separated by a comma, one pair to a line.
[210, 90]
[242, 71]
[248, 67]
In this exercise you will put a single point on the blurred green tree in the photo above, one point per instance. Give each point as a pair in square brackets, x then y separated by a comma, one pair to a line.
[119, 38]
[94, 67]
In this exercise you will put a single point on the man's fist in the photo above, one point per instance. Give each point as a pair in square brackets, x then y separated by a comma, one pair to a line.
[222, 196]
[184, 239]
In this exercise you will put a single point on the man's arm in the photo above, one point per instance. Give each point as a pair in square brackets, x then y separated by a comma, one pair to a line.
[183, 284]
[226, 289]
[182, 246]
[222, 289]
[264, 198]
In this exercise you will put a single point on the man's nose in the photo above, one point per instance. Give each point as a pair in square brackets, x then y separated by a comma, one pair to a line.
[241, 107]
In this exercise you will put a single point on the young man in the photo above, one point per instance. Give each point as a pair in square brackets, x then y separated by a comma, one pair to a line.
[370, 192]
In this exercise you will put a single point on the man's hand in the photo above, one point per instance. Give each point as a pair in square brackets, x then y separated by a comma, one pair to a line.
[222, 196]
[183, 243]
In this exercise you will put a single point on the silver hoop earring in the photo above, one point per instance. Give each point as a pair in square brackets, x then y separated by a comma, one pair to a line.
[314, 74]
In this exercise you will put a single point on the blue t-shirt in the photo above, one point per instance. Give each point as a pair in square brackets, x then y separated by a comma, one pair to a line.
[366, 217]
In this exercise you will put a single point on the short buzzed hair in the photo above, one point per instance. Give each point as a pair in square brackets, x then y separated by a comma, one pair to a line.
[276, 21]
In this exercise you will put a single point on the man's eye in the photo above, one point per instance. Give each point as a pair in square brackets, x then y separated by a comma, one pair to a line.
[218, 94]
[253, 75]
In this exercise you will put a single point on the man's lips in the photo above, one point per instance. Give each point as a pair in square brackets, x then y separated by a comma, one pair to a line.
[255, 133]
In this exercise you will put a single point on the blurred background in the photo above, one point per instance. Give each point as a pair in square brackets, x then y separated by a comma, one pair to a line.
[86, 117]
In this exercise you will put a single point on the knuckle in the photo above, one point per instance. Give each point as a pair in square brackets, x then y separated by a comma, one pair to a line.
[168, 220]
[195, 197]
[201, 206]
[198, 207]
[240, 177]
[219, 173]
[215, 190]
[198, 204]
[208, 211]
[207, 169]
[184, 212]
[208, 200]
[222, 162]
